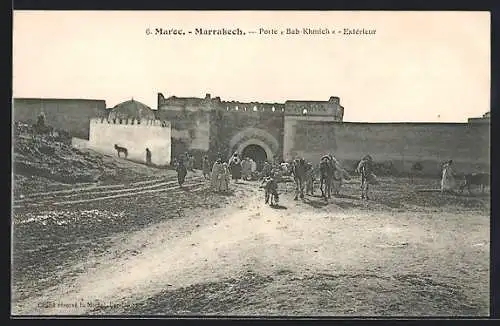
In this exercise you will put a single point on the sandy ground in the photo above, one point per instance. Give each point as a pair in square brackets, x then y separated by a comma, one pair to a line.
[173, 251]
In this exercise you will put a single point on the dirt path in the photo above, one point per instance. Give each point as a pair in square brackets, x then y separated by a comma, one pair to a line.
[301, 239]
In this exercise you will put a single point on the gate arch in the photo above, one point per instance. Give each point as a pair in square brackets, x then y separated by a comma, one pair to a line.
[255, 136]
[269, 153]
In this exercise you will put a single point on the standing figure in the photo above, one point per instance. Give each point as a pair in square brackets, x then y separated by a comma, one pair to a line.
[235, 166]
[365, 169]
[447, 177]
[216, 176]
[224, 178]
[188, 161]
[253, 169]
[338, 175]
[266, 169]
[246, 169]
[40, 122]
[309, 179]
[191, 162]
[325, 177]
[299, 171]
[181, 172]
[205, 165]
[148, 156]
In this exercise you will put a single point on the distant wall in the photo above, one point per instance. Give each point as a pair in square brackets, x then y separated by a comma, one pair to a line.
[134, 136]
[72, 115]
[468, 145]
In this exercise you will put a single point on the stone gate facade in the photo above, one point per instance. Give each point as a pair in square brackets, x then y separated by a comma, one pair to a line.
[212, 126]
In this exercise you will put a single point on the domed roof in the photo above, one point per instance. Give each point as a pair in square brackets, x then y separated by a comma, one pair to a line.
[132, 110]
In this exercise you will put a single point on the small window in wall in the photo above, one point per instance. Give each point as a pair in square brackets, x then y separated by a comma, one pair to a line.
[273, 109]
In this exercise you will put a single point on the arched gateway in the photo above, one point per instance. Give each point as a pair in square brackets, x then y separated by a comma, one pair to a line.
[255, 143]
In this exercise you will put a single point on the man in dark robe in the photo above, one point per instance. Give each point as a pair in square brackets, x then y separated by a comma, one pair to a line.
[235, 167]
[148, 156]
[181, 172]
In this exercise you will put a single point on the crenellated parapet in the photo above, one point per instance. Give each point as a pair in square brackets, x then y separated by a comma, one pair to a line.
[253, 107]
[130, 122]
[188, 103]
[331, 108]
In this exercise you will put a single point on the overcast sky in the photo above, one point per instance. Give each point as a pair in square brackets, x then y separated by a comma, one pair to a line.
[419, 66]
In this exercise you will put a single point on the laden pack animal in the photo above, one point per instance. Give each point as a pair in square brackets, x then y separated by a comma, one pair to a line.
[120, 149]
[475, 179]
[270, 191]
[299, 176]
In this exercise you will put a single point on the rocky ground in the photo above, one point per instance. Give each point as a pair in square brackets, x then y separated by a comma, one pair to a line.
[146, 246]
[42, 164]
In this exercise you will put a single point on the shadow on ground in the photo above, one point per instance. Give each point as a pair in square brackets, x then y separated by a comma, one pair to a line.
[278, 207]
[285, 293]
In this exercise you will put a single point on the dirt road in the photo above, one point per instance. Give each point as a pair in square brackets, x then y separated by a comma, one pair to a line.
[212, 254]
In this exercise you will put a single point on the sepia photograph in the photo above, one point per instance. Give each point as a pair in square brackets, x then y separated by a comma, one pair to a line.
[251, 163]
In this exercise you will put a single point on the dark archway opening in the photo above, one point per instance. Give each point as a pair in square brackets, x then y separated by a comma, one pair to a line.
[257, 153]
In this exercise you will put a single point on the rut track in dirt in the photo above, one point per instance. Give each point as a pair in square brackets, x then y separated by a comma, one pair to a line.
[107, 194]
[96, 187]
[105, 189]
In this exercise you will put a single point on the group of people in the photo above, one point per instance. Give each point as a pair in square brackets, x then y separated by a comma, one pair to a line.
[248, 168]
[331, 174]
[222, 172]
